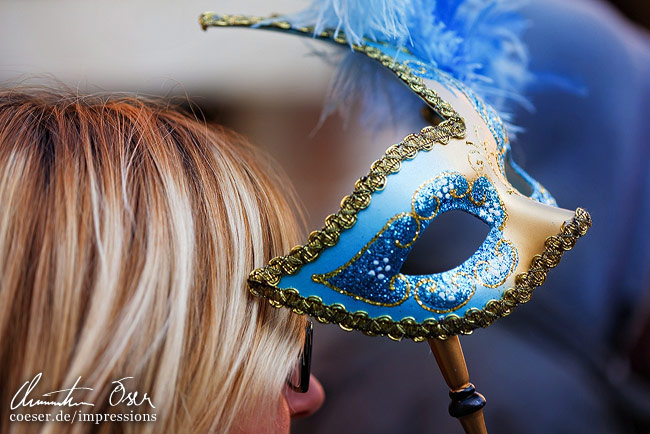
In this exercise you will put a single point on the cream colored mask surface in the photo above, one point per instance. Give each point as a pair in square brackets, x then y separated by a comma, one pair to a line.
[349, 271]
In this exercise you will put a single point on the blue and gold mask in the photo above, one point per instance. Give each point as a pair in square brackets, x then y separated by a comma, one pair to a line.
[349, 272]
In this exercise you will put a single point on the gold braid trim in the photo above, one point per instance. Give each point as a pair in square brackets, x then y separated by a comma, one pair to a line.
[263, 281]
[443, 108]
[358, 200]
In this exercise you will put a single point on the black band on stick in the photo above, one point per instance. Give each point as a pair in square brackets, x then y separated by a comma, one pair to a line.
[465, 401]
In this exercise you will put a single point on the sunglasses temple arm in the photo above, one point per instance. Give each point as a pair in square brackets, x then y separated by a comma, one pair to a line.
[466, 403]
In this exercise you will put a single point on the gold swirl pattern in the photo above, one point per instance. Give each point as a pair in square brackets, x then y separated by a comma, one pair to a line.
[454, 282]
[501, 256]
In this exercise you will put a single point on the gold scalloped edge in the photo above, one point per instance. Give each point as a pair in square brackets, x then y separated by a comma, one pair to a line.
[525, 283]
[402, 71]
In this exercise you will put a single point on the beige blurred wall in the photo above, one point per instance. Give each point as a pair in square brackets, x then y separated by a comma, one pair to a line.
[158, 47]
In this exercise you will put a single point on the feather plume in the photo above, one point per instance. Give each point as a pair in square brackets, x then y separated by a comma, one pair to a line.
[384, 20]
[378, 100]
[476, 41]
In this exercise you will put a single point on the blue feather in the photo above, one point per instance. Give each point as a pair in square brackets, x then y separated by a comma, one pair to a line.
[384, 20]
[378, 100]
[476, 41]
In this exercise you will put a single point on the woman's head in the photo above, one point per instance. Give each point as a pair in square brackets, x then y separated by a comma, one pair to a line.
[127, 231]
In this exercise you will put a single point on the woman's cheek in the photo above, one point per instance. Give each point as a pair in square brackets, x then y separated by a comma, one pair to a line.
[276, 423]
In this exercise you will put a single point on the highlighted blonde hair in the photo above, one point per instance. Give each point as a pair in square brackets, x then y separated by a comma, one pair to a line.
[127, 231]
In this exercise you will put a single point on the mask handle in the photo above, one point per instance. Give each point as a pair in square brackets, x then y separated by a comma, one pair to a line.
[466, 404]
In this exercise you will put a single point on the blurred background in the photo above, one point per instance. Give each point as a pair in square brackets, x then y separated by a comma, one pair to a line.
[577, 358]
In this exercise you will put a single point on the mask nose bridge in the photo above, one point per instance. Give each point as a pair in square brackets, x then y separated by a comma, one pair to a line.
[530, 223]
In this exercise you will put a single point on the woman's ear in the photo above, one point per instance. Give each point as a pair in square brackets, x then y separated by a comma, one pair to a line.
[305, 404]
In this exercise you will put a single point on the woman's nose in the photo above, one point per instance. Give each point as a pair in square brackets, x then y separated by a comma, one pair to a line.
[305, 404]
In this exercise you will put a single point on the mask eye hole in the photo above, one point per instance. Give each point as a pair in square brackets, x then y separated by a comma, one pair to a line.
[516, 180]
[448, 241]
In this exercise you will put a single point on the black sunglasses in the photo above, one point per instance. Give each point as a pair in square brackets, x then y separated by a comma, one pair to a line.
[299, 379]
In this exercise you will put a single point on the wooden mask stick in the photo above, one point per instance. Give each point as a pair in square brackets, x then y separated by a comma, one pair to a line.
[466, 403]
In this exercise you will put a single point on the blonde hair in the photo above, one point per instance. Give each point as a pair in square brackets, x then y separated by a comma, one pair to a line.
[127, 231]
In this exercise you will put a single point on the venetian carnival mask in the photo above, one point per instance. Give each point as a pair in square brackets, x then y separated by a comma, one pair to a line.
[349, 272]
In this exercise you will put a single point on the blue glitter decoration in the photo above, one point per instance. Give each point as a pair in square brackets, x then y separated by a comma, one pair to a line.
[373, 275]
